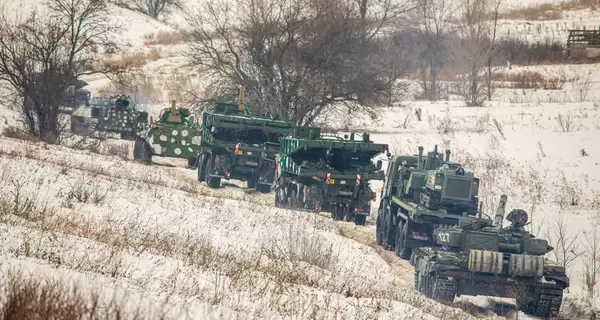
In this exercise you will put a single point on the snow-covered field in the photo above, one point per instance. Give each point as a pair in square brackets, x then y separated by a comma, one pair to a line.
[155, 240]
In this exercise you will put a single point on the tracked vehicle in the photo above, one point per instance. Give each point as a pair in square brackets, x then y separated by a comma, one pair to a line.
[420, 194]
[174, 134]
[328, 172]
[239, 145]
[110, 113]
[481, 257]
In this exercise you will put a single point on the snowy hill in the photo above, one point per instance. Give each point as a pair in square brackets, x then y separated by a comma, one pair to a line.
[153, 239]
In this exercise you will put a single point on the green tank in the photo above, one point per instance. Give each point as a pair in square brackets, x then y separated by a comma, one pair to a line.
[328, 172]
[110, 113]
[174, 134]
[239, 145]
[419, 194]
[482, 257]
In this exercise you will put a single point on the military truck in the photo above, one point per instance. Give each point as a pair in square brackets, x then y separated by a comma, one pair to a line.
[114, 113]
[422, 193]
[174, 134]
[328, 173]
[481, 257]
[239, 145]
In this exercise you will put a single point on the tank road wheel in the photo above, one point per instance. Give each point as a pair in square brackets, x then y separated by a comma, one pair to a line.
[142, 152]
[401, 235]
[440, 288]
[379, 228]
[360, 220]
[212, 182]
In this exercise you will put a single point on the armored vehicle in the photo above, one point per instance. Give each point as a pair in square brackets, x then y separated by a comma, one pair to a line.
[76, 96]
[174, 134]
[110, 113]
[239, 145]
[482, 257]
[420, 194]
[328, 172]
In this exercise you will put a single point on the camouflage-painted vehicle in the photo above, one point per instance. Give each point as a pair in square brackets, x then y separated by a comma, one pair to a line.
[328, 172]
[174, 134]
[110, 113]
[481, 257]
[421, 194]
[239, 145]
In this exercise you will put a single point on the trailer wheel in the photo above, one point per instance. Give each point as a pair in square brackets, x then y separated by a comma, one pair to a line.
[401, 235]
[348, 214]
[192, 162]
[127, 135]
[360, 220]
[280, 197]
[142, 152]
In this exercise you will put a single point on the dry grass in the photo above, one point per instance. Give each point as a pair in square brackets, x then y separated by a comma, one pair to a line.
[16, 133]
[528, 80]
[549, 11]
[139, 59]
[164, 38]
[36, 298]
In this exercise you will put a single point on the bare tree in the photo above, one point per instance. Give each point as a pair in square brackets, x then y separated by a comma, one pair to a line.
[297, 58]
[566, 250]
[429, 27]
[44, 54]
[152, 8]
[475, 48]
[591, 262]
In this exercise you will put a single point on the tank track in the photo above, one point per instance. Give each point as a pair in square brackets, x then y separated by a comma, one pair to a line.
[549, 302]
[445, 290]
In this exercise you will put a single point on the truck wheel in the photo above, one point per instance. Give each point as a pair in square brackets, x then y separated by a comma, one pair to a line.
[401, 235]
[212, 182]
[348, 214]
[201, 167]
[360, 220]
[280, 198]
[251, 182]
[192, 162]
[142, 152]
[293, 199]
[389, 232]
[378, 228]
[263, 188]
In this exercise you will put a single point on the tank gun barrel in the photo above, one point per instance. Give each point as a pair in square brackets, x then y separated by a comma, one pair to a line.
[500, 212]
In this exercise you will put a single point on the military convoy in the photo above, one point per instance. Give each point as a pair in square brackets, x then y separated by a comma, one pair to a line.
[481, 257]
[110, 113]
[428, 208]
[328, 172]
[238, 145]
[174, 134]
[421, 193]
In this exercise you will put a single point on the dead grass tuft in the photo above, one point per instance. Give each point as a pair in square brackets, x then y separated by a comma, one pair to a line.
[38, 298]
[139, 59]
[549, 11]
[164, 38]
[15, 133]
[529, 80]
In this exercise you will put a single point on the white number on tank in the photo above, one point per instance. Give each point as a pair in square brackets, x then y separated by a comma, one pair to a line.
[443, 236]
